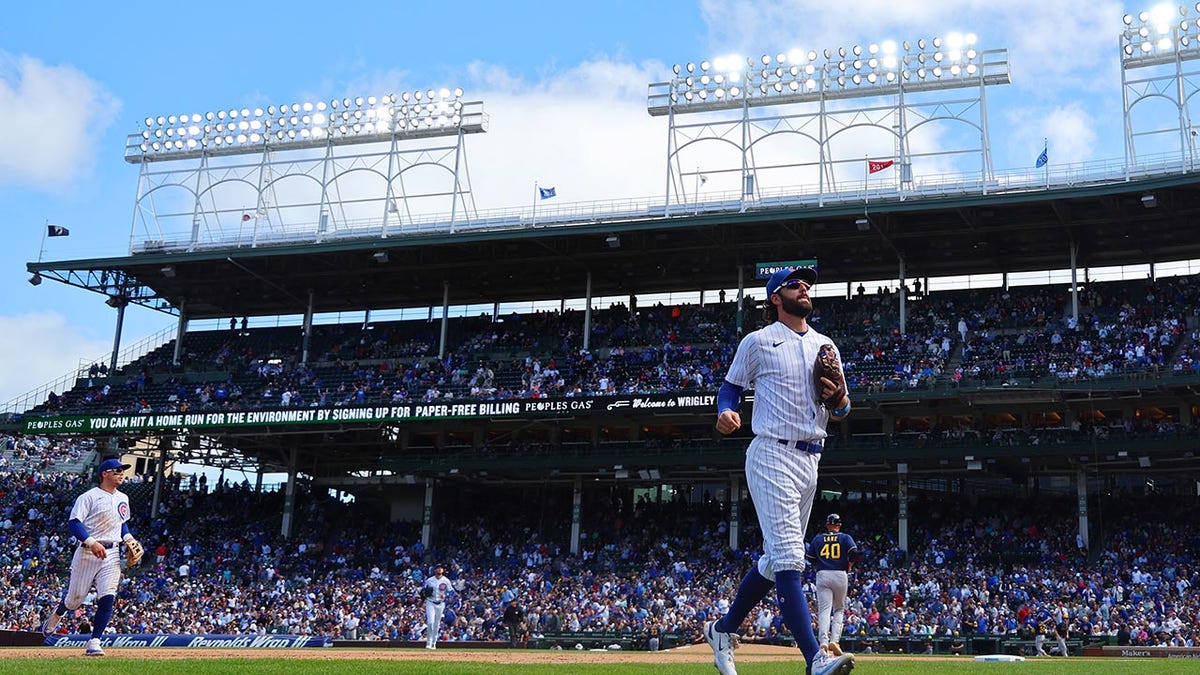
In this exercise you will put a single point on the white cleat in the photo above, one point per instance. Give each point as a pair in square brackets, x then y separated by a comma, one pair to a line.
[827, 663]
[722, 645]
[94, 648]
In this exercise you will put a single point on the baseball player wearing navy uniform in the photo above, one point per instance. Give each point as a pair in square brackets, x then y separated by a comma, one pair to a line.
[435, 590]
[833, 554]
[789, 422]
[100, 521]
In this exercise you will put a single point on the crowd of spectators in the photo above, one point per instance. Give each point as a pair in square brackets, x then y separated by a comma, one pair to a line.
[43, 453]
[951, 338]
[977, 565]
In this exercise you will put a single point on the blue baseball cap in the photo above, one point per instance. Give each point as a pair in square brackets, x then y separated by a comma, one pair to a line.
[808, 274]
[112, 465]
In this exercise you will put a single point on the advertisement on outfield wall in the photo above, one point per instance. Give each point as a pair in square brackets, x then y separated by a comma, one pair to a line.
[395, 412]
[194, 641]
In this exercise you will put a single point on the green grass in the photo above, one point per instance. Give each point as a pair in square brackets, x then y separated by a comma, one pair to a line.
[71, 664]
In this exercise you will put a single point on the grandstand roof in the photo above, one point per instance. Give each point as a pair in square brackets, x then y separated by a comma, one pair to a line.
[1011, 232]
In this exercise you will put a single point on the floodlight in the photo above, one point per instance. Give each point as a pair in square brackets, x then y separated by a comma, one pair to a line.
[1149, 201]
[168, 271]
[35, 280]
[613, 241]
[380, 256]
[863, 224]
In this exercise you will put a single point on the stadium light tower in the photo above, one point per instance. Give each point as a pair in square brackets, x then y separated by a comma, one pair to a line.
[322, 141]
[811, 79]
[1155, 46]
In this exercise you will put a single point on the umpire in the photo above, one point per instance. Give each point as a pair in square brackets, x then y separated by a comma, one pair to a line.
[833, 553]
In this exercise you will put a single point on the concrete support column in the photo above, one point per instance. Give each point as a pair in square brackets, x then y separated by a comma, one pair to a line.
[735, 510]
[741, 312]
[902, 502]
[180, 329]
[112, 363]
[445, 319]
[427, 515]
[163, 443]
[1082, 493]
[289, 496]
[1074, 283]
[576, 513]
[587, 313]
[308, 319]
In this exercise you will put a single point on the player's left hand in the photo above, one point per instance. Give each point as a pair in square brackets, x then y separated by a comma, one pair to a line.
[828, 389]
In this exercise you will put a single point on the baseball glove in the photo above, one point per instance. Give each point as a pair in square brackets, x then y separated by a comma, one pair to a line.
[426, 592]
[828, 367]
[133, 552]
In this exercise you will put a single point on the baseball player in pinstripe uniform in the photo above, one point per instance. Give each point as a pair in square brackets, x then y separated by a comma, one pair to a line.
[435, 590]
[778, 362]
[99, 520]
[833, 552]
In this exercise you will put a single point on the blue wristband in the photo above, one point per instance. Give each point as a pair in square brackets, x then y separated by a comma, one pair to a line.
[842, 411]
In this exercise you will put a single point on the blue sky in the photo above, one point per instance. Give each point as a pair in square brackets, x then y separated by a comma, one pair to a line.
[76, 78]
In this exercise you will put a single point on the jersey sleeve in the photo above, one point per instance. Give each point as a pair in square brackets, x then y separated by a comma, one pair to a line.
[744, 367]
[80, 509]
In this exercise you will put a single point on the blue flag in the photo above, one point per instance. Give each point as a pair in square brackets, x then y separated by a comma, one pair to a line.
[545, 193]
[1043, 159]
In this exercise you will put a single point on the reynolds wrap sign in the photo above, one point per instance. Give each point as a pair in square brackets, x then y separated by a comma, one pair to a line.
[194, 641]
[398, 412]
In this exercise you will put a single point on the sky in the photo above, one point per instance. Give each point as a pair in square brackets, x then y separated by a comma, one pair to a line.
[564, 86]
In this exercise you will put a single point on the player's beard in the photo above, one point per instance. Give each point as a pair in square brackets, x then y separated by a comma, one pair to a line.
[797, 307]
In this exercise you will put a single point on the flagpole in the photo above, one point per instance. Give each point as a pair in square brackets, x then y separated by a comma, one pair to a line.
[533, 223]
[866, 179]
[1046, 152]
[45, 229]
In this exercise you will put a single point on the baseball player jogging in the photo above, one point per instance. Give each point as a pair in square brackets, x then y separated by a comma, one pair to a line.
[435, 590]
[798, 386]
[99, 520]
[834, 553]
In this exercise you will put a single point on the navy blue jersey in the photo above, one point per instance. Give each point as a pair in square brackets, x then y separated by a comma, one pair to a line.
[832, 551]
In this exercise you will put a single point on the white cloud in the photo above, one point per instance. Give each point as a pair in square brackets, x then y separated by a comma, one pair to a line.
[46, 346]
[53, 117]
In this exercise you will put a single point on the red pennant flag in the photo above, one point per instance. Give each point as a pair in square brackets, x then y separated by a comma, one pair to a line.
[876, 167]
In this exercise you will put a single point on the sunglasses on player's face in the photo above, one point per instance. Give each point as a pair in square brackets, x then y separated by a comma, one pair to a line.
[793, 284]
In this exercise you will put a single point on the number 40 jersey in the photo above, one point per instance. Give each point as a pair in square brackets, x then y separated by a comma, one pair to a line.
[832, 551]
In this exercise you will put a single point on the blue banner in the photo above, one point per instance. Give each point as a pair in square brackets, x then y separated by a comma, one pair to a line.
[194, 641]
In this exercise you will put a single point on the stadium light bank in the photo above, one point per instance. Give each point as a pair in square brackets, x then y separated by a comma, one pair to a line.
[294, 126]
[800, 76]
[1159, 36]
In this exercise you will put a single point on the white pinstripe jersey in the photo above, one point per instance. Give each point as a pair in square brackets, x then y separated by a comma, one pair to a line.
[101, 513]
[777, 363]
[439, 587]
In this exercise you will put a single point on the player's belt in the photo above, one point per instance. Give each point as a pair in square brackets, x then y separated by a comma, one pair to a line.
[437, 602]
[105, 544]
[811, 447]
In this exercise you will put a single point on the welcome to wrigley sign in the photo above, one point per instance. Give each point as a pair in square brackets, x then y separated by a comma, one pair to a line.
[595, 405]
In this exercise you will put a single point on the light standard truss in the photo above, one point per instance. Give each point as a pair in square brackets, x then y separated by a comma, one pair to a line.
[895, 88]
[1157, 48]
[302, 172]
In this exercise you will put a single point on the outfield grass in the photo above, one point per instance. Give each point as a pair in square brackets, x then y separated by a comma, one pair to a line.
[77, 664]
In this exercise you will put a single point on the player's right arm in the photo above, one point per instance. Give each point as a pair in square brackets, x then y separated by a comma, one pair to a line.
[75, 526]
[741, 373]
[729, 399]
